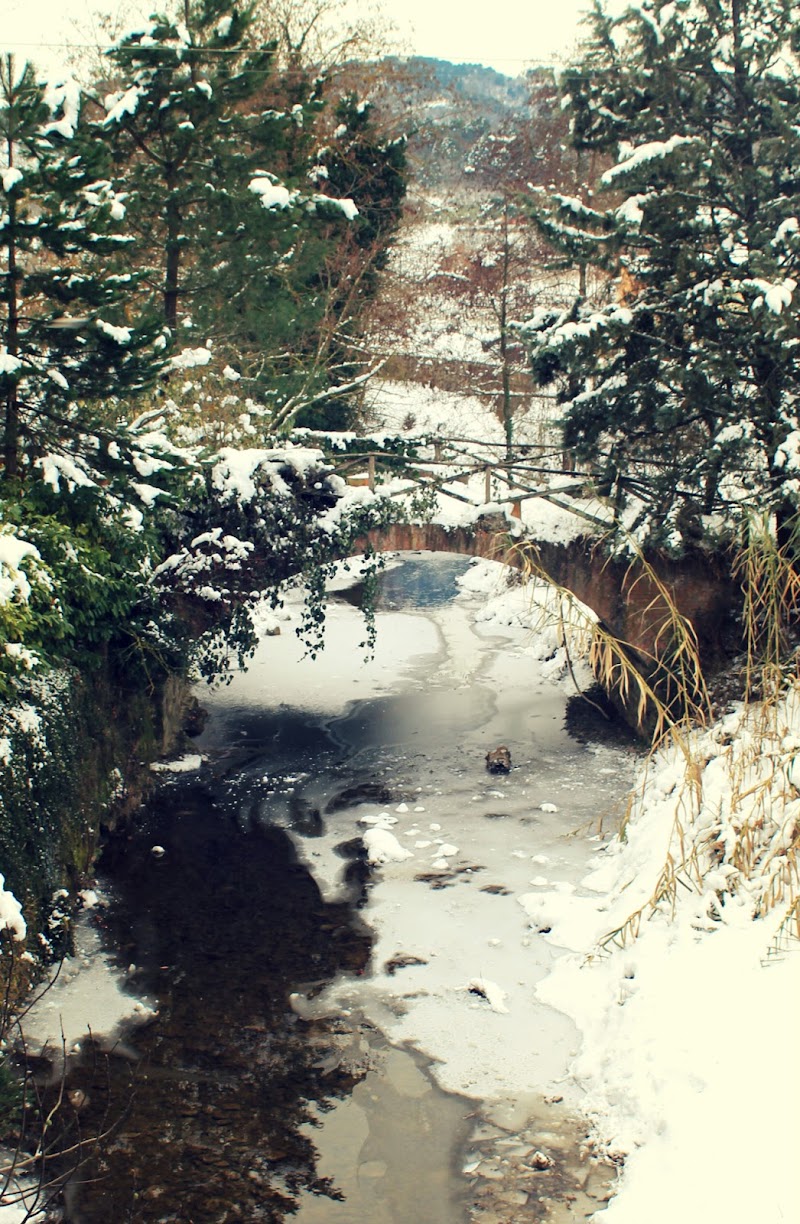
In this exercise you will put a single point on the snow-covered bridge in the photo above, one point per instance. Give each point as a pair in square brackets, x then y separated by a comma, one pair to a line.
[296, 509]
[628, 596]
[528, 506]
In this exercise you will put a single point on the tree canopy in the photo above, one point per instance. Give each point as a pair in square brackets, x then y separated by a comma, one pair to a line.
[680, 387]
[186, 214]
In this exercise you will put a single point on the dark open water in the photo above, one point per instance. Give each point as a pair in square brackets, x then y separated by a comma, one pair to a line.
[206, 1110]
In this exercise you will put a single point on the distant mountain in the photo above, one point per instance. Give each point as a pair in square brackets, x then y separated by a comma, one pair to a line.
[446, 109]
[471, 81]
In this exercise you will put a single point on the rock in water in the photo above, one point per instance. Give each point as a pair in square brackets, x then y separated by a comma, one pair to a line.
[498, 760]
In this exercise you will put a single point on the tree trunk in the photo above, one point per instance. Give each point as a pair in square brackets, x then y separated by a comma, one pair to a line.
[741, 144]
[11, 438]
[172, 268]
[508, 412]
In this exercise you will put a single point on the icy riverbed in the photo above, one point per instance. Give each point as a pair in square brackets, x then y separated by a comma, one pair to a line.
[457, 959]
[453, 851]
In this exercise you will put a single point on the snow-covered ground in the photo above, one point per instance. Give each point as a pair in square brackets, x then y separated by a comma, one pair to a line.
[472, 434]
[86, 992]
[434, 303]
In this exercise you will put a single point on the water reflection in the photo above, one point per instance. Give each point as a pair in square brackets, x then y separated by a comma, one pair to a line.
[435, 716]
[222, 928]
[425, 581]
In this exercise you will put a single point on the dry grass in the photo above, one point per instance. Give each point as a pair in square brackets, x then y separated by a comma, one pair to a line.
[755, 835]
[665, 688]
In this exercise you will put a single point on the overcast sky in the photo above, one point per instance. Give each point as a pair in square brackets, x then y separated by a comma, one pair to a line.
[505, 34]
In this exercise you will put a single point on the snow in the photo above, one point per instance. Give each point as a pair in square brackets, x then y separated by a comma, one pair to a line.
[653, 150]
[776, 297]
[345, 206]
[58, 378]
[688, 1052]
[491, 992]
[679, 1045]
[86, 996]
[189, 359]
[785, 230]
[11, 918]
[272, 194]
[65, 96]
[148, 494]
[10, 178]
[185, 764]
[22, 1195]
[28, 658]
[14, 583]
[427, 310]
[121, 104]
[687, 1058]
[677, 1036]
[122, 335]
[383, 847]
[55, 468]
[631, 211]
[9, 364]
[326, 683]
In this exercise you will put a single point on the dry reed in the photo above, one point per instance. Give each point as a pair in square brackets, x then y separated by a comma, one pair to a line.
[756, 838]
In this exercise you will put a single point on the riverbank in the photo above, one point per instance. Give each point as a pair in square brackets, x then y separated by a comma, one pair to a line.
[74, 760]
[681, 975]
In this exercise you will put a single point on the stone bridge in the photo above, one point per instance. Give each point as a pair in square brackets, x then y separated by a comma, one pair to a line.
[626, 595]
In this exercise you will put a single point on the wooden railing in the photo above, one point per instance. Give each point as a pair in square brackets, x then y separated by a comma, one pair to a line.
[517, 474]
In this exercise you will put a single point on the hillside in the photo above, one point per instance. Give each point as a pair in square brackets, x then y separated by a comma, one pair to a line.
[467, 264]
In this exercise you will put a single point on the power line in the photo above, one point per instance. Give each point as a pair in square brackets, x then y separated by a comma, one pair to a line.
[559, 58]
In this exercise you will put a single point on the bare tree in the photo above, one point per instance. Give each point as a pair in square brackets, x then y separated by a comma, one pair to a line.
[321, 35]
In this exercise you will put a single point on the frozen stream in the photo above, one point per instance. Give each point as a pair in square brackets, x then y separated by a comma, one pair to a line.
[383, 1018]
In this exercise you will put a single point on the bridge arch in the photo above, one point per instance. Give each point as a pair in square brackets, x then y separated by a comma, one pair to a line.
[630, 597]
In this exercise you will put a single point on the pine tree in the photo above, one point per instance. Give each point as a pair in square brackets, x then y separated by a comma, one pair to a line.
[181, 140]
[216, 151]
[65, 338]
[681, 386]
[360, 164]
